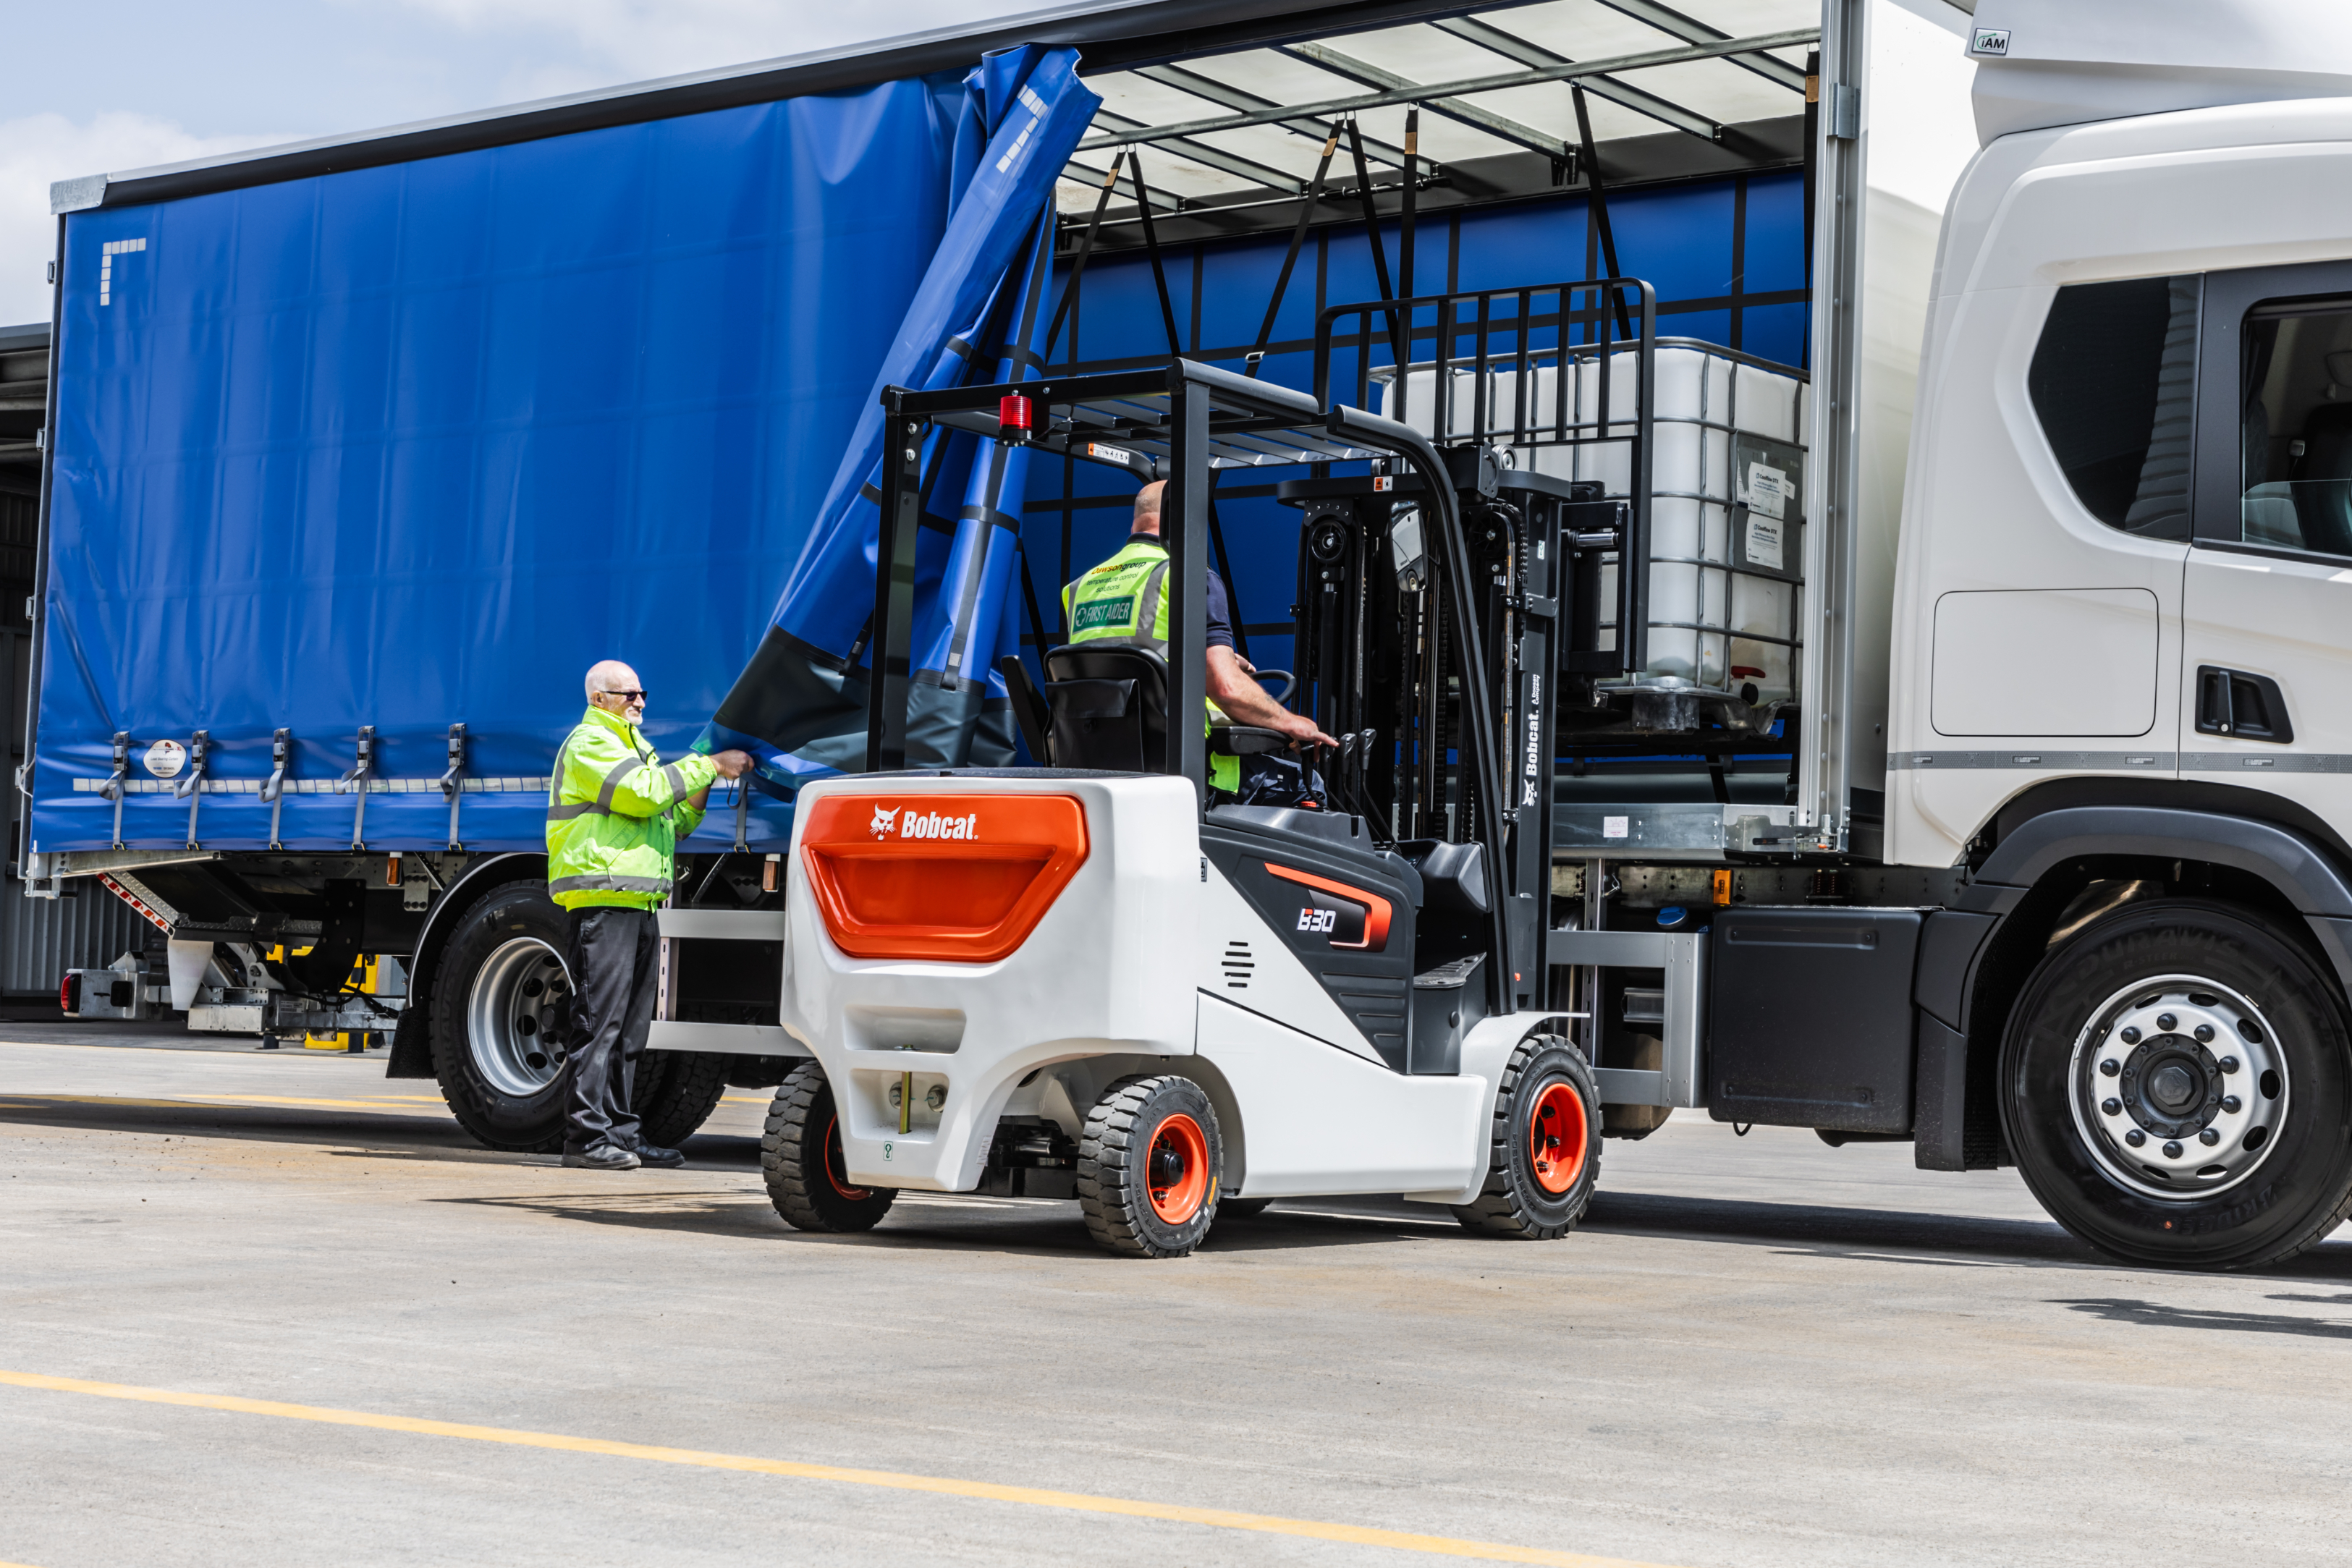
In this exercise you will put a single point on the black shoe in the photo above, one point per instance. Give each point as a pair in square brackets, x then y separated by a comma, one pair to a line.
[603, 1157]
[657, 1158]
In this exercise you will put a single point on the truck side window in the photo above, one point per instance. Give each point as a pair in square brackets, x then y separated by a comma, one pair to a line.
[2295, 380]
[2113, 383]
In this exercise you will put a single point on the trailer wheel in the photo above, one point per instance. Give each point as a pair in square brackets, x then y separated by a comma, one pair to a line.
[1545, 1154]
[502, 1020]
[2176, 1083]
[800, 1157]
[675, 1091]
[1148, 1162]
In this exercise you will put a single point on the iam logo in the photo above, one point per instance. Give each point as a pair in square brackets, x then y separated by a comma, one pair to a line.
[883, 822]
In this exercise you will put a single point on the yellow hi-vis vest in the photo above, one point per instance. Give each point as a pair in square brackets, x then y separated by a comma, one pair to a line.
[1122, 601]
[615, 811]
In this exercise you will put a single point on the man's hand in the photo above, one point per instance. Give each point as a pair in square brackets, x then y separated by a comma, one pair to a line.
[731, 764]
[1302, 731]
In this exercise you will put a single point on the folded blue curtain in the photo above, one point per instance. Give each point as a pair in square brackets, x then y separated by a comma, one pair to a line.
[800, 706]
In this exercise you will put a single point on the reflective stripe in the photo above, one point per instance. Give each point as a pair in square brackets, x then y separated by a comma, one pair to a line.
[555, 776]
[677, 782]
[601, 883]
[620, 771]
[1147, 620]
[581, 808]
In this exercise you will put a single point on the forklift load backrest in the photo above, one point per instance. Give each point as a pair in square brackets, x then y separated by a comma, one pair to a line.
[1107, 707]
[1452, 876]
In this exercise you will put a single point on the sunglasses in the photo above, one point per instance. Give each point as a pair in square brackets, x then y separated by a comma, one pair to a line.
[624, 697]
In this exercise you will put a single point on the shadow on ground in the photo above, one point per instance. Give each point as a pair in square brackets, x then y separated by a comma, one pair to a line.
[951, 1223]
[1838, 1234]
[2155, 1315]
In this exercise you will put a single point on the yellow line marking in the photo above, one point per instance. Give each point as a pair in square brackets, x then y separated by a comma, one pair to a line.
[202, 1101]
[1082, 1502]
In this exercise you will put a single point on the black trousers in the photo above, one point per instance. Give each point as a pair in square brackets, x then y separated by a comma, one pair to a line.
[614, 956]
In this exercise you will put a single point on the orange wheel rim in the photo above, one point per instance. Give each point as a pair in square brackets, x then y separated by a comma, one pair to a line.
[837, 1165]
[1557, 1135]
[1176, 1169]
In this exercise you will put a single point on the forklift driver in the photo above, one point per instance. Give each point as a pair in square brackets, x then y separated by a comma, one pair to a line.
[1122, 600]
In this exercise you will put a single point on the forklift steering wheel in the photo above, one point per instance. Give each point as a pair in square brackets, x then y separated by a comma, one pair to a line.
[1289, 682]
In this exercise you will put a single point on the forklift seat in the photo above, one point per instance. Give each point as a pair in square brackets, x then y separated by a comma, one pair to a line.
[1107, 707]
[1104, 706]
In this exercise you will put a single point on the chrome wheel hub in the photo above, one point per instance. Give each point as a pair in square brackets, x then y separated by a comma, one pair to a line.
[519, 1017]
[2177, 1087]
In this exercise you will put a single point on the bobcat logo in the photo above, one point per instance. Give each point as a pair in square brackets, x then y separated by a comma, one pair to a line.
[883, 822]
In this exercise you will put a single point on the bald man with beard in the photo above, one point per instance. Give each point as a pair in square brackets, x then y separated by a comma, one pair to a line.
[615, 811]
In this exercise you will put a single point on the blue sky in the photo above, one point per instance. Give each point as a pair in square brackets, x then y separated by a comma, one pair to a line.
[139, 82]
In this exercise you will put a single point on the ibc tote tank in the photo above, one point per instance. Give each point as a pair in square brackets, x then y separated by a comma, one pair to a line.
[1727, 534]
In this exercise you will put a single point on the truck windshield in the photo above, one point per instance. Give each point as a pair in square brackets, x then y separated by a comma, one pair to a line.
[2297, 426]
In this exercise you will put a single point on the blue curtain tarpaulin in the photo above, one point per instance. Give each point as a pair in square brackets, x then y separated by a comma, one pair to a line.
[981, 314]
[411, 446]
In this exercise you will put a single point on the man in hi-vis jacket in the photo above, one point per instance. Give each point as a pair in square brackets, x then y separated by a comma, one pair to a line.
[615, 811]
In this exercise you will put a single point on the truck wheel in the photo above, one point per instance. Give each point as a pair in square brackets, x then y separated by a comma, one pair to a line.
[800, 1156]
[1148, 1166]
[675, 1091]
[1545, 1154]
[502, 1020]
[2175, 1085]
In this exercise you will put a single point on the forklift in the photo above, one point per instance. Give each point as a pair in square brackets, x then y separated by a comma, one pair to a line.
[1098, 977]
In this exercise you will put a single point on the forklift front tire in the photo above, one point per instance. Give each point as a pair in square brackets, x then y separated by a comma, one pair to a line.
[800, 1156]
[1148, 1166]
[1545, 1155]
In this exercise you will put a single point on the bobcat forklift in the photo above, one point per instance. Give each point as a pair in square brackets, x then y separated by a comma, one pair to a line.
[1100, 979]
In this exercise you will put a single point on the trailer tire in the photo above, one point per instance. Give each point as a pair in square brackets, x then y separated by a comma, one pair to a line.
[1529, 1195]
[676, 1093]
[2254, 1048]
[1149, 1166]
[800, 1158]
[503, 1089]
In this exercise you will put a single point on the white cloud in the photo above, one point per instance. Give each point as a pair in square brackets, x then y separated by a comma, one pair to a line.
[40, 148]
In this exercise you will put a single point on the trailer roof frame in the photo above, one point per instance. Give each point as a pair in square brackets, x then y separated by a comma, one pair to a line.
[1112, 37]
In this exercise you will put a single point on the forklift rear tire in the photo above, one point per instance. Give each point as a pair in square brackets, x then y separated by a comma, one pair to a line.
[800, 1156]
[1545, 1157]
[2174, 1086]
[676, 1093]
[501, 1018]
[1148, 1166]
[1243, 1207]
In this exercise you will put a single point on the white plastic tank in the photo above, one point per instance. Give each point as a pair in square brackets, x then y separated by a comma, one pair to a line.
[1727, 533]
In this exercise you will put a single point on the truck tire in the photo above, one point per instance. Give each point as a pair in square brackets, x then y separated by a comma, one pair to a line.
[1148, 1161]
[502, 1018]
[1544, 1156]
[2175, 1085]
[800, 1158]
[675, 1093]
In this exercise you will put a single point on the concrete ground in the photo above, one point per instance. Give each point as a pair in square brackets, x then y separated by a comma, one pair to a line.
[1758, 1351]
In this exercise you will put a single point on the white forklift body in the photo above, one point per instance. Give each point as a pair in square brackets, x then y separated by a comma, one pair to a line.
[1147, 958]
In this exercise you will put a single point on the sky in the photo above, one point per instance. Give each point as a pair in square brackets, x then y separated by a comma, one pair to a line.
[139, 82]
